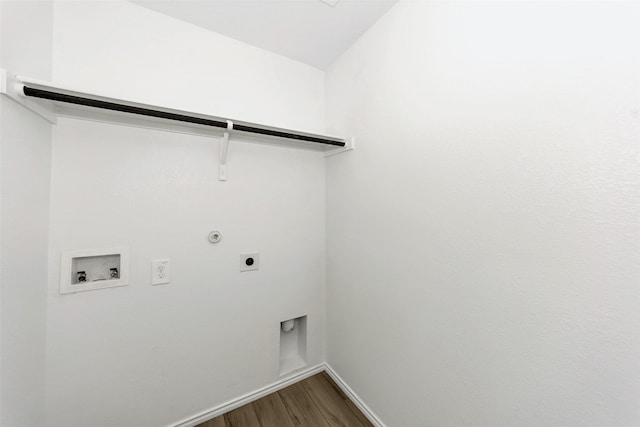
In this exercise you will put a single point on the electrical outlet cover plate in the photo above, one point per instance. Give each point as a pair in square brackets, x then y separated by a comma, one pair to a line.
[250, 261]
[160, 274]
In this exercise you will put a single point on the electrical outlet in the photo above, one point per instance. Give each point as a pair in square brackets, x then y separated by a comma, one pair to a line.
[250, 261]
[160, 271]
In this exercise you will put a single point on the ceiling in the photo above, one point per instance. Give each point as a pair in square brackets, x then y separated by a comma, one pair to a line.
[309, 31]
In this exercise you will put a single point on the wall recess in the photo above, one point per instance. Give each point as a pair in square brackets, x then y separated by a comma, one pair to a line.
[88, 270]
[293, 344]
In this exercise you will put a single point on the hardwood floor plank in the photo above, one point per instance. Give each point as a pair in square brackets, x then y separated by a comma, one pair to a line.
[314, 402]
[216, 422]
[301, 409]
[244, 416]
[331, 404]
[357, 412]
[271, 412]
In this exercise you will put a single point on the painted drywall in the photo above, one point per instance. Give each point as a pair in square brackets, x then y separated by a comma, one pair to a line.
[483, 240]
[149, 356]
[295, 29]
[25, 157]
[159, 60]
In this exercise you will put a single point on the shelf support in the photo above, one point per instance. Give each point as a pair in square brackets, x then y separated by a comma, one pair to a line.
[224, 151]
[349, 145]
[13, 88]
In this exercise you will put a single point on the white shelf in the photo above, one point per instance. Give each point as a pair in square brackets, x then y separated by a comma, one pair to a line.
[51, 101]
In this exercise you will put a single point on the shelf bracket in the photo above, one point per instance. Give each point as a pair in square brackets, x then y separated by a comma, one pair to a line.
[350, 145]
[13, 88]
[224, 151]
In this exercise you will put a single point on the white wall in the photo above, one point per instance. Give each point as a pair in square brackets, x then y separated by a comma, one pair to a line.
[25, 153]
[484, 238]
[123, 50]
[147, 355]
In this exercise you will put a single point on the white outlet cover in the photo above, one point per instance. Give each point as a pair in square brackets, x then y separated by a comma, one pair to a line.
[244, 263]
[160, 272]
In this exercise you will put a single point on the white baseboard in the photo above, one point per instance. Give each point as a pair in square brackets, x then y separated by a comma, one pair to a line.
[248, 398]
[279, 385]
[371, 416]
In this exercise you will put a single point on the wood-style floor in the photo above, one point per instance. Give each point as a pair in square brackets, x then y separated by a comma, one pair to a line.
[314, 402]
